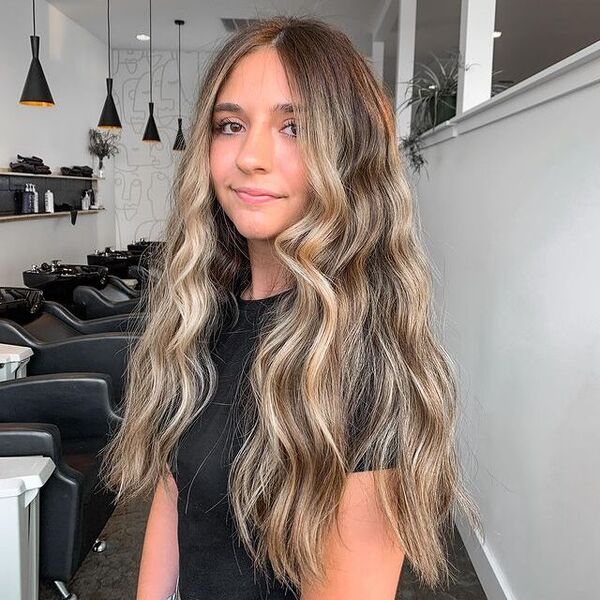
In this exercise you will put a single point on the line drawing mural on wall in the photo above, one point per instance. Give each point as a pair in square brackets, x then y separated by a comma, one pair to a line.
[144, 171]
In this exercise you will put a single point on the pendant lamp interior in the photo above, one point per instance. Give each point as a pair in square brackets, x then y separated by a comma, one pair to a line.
[109, 119]
[179, 139]
[36, 91]
[151, 131]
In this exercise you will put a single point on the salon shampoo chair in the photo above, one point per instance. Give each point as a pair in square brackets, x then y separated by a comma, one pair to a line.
[116, 298]
[55, 321]
[68, 418]
[98, 352]
[51, 321]
[119, 284]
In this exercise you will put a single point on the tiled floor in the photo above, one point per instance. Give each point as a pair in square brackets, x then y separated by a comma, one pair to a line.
[112, 575]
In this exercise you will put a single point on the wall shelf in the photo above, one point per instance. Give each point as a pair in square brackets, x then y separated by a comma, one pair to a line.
[67, 191]
[4, 172]
[61, 213]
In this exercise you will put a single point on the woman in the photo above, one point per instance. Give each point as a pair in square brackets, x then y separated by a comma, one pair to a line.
[287, 405]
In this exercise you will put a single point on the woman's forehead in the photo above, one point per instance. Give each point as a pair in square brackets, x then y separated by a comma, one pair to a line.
[258, 75]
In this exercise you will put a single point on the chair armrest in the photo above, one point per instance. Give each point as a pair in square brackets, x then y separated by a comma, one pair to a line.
[38, 439]
[30, 439]
[79, 404]
[127, 322]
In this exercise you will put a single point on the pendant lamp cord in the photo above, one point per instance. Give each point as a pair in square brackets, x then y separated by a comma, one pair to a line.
[34, 17]
[179, 65]
[108, 21]
[150, 2]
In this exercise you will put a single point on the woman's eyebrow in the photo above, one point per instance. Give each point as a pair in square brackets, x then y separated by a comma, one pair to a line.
[285, 107]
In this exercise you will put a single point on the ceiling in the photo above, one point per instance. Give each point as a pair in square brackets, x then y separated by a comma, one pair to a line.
[203, 28]
[532, 39]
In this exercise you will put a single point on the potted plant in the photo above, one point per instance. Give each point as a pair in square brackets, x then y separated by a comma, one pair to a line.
[432, 98]
[432, 91]
[103, 144]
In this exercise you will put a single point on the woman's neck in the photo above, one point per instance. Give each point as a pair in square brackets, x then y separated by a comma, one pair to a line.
[258, 293]
[267, 274]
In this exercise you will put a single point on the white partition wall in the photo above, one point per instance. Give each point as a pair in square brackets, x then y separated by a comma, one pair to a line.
[510, 207]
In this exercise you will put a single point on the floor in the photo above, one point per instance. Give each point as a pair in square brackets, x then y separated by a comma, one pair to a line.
[112, 575]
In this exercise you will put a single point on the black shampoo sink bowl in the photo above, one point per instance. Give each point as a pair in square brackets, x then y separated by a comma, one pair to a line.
[143, 251]
[58, 280]
[142, 245]
[116, 261]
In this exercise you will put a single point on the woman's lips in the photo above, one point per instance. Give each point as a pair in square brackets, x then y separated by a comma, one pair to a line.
[252, 199]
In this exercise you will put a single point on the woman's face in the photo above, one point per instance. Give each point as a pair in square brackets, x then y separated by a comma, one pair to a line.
[254, 147]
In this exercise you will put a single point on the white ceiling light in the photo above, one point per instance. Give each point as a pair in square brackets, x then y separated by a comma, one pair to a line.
[497, 34]
[142, 37]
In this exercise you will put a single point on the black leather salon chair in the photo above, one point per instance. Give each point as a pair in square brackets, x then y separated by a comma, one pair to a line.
[51, 321]
[54, 322]
[68, 418]
[114, 299]
[98, 352]
[124, 287]
[116, 284]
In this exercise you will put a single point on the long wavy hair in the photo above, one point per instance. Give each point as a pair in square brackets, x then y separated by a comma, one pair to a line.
[347, 368]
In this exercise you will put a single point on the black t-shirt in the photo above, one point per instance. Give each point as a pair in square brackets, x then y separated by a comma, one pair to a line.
[213, 563]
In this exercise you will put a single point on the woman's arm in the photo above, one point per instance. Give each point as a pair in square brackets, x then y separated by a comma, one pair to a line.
[364, 564]
[159, 566]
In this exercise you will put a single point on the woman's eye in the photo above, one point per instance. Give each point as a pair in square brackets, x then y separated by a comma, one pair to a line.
[294, 128]
[233, 127]
[221, 127]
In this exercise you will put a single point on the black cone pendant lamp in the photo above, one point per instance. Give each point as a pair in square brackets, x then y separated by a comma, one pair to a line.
[109, 119]
[151, 131]
[36, 91]
[179, 140]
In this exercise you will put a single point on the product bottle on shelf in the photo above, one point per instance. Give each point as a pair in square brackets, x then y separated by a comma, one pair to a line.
[49, 201]
[24, 199]
[85, 201]
[27, 200]
[36, 200]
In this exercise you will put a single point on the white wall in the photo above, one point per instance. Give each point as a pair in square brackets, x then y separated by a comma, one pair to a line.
[144, 172]
[511, 215]
[74, 63]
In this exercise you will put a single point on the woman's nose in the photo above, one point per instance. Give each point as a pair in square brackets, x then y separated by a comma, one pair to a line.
[256, 151]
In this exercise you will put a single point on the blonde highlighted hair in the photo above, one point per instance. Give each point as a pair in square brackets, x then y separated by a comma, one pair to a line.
[348, 368]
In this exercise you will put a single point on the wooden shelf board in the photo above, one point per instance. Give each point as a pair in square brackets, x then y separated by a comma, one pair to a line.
[61, 213]
[5, 171]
